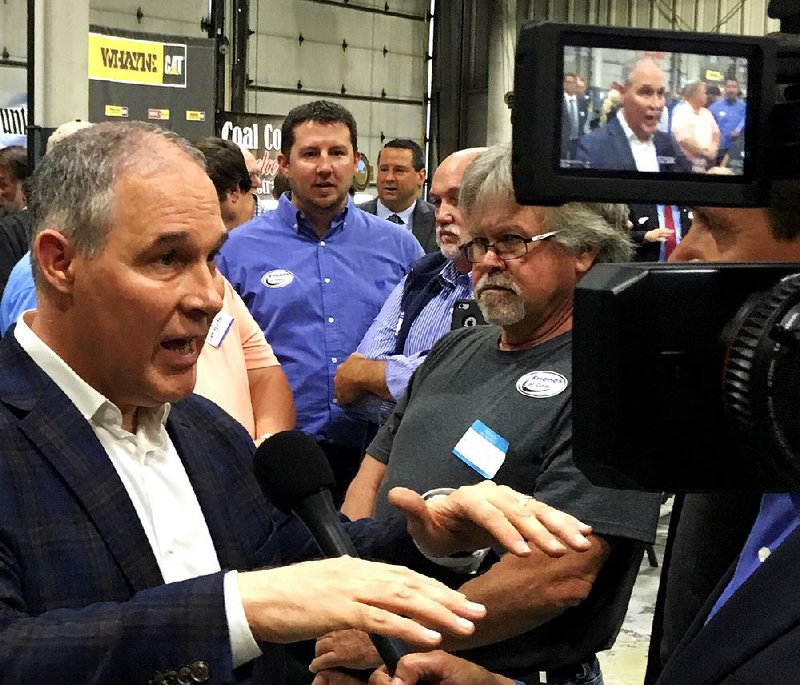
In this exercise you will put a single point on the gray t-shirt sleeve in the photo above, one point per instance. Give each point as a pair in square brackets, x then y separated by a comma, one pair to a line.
[561, 484]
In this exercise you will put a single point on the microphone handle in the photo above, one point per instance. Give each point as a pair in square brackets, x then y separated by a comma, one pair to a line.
[320, 518]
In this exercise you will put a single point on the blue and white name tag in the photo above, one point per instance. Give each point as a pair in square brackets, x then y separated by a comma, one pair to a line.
[219, 329]
[482, 449]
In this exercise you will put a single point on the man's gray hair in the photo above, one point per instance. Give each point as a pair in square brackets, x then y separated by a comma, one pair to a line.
[601, 227]
[73, 185]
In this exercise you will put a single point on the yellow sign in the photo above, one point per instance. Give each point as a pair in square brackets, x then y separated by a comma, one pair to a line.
[713, 75]
[116, 111]
[194, 115]
[158, 114]
[146, 62]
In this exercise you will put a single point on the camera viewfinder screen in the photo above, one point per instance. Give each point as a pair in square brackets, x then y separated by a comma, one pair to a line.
[653, 112]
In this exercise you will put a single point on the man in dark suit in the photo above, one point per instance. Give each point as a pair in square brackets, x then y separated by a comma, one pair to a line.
[584, 105]
[401, 175]
[631, 141]
[573, 117]
[126, 503]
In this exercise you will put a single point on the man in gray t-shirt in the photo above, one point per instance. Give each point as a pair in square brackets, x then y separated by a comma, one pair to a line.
[495, 402]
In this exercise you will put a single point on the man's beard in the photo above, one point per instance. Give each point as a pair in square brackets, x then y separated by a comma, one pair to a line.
[499, 308]
[449, 250]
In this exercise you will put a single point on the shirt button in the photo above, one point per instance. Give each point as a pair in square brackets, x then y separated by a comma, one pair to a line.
[322, 243]
[334, 359]
[330, 319]
[763, 554]
[327, 280]
[199, 671]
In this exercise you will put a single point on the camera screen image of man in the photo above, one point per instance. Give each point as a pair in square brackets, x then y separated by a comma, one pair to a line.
[126, 502]
[459, 422]
[631, 141]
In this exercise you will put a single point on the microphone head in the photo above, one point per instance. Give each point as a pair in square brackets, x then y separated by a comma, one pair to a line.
[289, 466]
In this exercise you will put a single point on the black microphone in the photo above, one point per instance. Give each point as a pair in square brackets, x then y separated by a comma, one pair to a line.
[295, 476]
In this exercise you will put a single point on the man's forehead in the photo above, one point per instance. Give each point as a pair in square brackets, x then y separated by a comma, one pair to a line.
[502, 217]
[321, 133]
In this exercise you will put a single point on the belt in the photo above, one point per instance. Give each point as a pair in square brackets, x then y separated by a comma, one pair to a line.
[566, 673]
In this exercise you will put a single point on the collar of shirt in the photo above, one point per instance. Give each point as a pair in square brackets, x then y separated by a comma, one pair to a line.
[260, 206]
[294, 217]
[644, 151]
[406, 215]
[778, 517]
[450, 276]
[92, 405]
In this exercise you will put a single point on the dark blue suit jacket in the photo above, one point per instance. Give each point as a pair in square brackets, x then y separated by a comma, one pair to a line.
[608, 148]
[82, 599]
[424, 222]
[754, 637]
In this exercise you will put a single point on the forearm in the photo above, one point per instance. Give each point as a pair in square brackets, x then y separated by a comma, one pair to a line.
[359, 502]
[522, 594]
[273, 406]
[166, 627]
[371, 377]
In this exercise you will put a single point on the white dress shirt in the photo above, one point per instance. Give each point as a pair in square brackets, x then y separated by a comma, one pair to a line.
[644, 151]
[407, 215]
[156, 482]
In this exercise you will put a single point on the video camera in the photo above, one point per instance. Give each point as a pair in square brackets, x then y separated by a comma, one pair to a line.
[685, 376]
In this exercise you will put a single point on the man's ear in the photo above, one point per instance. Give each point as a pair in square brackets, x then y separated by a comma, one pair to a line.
[234, 195]
[283, 162]
[55, 256]
[584, 260]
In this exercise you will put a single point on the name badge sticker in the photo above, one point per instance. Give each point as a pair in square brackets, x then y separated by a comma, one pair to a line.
[277, 278]
[542, 384]
[219, 329]
[482, 449]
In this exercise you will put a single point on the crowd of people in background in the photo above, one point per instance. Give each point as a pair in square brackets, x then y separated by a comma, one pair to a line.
[149, 269]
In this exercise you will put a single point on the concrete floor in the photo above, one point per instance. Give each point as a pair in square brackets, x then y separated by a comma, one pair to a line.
[626, 661]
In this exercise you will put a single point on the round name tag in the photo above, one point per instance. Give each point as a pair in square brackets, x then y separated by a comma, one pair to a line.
[541, 384]
[277, 278]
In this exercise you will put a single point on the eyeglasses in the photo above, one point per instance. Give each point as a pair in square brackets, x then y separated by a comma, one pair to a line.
[506, 247]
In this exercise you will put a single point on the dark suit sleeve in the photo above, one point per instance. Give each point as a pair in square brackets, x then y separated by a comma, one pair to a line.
[163, 628]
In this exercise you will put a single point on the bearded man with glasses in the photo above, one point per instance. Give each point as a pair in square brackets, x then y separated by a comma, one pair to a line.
[495, 402]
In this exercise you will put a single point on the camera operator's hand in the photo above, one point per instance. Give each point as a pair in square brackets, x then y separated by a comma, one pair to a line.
[658, 235]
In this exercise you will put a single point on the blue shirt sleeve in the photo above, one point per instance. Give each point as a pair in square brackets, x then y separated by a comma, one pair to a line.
[19, 294]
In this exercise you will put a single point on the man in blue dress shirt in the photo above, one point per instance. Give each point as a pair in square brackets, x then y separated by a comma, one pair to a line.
[316, 271]
[730, 114]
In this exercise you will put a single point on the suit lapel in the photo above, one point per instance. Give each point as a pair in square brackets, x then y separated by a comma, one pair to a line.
[424, 225]
[210, 484]
[621, 145]
[764, 607]
[66, 440]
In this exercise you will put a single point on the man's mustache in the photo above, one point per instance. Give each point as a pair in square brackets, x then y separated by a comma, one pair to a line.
[495, 281]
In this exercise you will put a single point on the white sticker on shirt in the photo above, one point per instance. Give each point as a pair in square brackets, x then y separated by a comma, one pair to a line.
[277, 278]
[482, 449]
[542, 384]
[219, 329]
